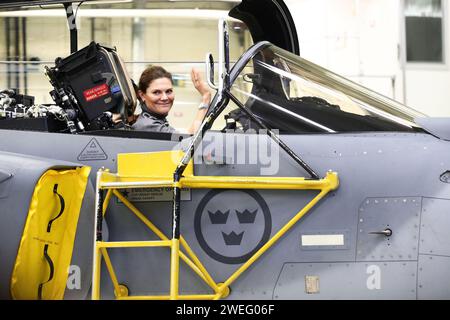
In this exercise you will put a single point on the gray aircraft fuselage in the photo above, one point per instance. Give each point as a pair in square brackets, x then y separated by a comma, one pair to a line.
[388, 180]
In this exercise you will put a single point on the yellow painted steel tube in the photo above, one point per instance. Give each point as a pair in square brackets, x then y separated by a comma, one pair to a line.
[96, 273]
[140, 215]
[182, 297]
[96, 254]
[174, 269]
[127, 183]
[106, 202]
[194, 268]
[275, 238]
[144, 298]
[278, 183]
[134, 244]
[114, 181]
[123, 244]
[196, 297]
[161, 235]
[330, 182]
[110, 268]
[110, 181]
[208, 279]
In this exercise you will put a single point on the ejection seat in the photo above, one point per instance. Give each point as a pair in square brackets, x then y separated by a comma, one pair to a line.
[91, 85]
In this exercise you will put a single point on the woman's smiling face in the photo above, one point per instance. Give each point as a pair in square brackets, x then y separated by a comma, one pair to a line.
[159, 96]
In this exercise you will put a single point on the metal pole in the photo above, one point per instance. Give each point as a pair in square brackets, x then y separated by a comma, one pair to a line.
[71, 21]
[8, 51]
[16, 52]
[24, 55]
[175, 246]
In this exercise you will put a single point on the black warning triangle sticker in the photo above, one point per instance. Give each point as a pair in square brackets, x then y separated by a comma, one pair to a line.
[92, 151]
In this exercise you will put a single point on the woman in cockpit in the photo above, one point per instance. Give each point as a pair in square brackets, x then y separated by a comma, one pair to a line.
[157, 95]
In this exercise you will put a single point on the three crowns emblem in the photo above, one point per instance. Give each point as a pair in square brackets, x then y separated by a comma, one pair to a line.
[244, 217]
[233, 239]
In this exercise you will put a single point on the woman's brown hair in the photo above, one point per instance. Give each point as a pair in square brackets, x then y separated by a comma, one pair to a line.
[152, 73]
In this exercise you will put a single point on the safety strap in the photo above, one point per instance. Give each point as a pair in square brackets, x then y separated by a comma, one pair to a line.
[49, 227]
[52, 269]
[63, 205]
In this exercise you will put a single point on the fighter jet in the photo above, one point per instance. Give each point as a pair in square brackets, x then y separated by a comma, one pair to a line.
[314, 188]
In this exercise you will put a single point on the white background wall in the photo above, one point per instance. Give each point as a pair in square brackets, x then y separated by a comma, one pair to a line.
[178, 44]
[362, 40]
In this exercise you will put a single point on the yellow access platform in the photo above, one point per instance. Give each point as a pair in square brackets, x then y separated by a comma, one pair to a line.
[156, 169]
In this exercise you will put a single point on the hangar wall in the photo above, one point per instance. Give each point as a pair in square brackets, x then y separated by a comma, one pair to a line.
[360, 39]
[176, 43]
[364, 41]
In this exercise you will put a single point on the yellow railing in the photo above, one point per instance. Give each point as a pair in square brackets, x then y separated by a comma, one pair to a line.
[160, 176]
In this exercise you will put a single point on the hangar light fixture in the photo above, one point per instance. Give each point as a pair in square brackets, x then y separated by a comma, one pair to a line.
[126, 13]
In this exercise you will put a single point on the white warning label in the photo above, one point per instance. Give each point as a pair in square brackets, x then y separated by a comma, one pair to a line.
[154, 194]
[92, 151]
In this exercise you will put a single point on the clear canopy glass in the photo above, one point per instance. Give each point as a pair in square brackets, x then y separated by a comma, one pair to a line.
[292, 94]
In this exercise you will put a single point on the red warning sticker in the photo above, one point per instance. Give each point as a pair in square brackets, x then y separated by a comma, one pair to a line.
[96, 92]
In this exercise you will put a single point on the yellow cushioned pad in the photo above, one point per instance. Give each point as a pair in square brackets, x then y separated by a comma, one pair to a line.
[45, 251]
